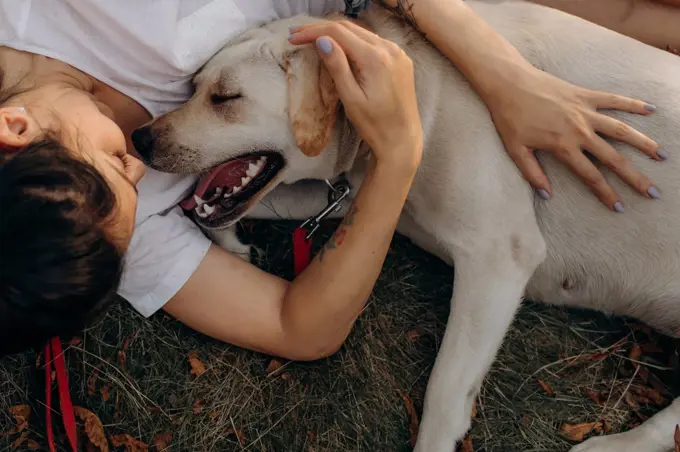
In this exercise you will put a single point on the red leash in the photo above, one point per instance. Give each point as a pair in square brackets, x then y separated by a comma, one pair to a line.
[302, 250]
[54, 354]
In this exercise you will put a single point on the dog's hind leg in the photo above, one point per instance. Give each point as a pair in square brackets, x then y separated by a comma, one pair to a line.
[491, 273]
[655, 435]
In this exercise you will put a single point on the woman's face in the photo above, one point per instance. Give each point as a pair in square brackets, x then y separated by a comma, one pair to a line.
[87, 128]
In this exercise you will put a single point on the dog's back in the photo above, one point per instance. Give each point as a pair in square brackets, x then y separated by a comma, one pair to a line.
[623, 263]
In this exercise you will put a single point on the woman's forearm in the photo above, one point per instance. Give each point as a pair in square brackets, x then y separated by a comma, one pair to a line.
[479, 52]
[323, 302]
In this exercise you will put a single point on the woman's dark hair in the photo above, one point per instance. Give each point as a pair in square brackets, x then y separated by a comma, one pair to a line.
[59, 266]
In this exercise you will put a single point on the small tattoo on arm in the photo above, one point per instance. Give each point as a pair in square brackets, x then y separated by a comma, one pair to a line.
[339, 235]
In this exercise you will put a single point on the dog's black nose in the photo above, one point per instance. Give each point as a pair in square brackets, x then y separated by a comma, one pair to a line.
[143, 139]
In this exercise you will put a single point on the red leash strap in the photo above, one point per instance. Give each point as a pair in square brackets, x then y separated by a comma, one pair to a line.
[54, 354]
[302, 250]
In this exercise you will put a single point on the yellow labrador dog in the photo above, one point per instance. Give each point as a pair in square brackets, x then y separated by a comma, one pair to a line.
[265, 115]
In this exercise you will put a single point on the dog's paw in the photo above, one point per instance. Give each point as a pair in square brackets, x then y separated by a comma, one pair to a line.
[632, 441]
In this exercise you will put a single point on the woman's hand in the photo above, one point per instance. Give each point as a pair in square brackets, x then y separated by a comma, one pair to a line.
[376, 84]
[535, 110]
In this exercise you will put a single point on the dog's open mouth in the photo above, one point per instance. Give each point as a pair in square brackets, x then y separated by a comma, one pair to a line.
[226, 191]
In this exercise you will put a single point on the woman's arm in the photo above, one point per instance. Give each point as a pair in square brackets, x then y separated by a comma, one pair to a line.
[530, 108]
[309, 318]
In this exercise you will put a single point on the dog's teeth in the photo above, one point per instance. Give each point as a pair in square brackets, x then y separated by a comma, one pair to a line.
[235, 190]
[245, 181]
[199, 200]
[252, 170]
[200, 212]
[218, 191]
[209, 209]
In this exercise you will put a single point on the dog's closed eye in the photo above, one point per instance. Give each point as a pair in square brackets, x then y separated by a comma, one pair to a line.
[219, 99]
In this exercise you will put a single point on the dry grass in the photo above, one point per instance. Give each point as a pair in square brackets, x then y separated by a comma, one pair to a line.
[351, 401]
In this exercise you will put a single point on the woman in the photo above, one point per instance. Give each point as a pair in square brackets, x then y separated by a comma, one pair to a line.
[67, 187]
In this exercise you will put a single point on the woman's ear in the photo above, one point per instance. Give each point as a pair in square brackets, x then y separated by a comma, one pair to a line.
[15, 128]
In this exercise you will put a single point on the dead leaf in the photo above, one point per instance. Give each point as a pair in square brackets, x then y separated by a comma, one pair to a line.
[597, 397]
[677, 438]
[213, 415]
[93, 428]
[198, 406]
[240, 435]
[131, 444]
[92, 381]
[106, 392]
[546, 388]
[630, 400]
[646, 395]
[19, 441]
[161, 441]
[413, 335]
[635, 354]
[311, 436]
[577, 432]
[122, 359]
[274, 366]
[33, 445]
[197, 366]
[21, 413]
[474, 409]
[466, 445]
[413, 424]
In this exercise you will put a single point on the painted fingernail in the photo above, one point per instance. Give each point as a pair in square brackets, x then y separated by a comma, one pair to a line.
[650, 107]
[663, 155]
[293, 28]
[618, 207]
[22, 110]
[654, 192]
[324, 44]
[543, 194]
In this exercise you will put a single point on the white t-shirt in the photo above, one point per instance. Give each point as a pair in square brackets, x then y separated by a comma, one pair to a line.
[148, 50]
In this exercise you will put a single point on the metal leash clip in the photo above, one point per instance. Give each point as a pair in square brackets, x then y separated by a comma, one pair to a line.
[336, 194]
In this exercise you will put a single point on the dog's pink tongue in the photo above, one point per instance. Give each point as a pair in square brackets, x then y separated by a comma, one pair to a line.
[227, 175]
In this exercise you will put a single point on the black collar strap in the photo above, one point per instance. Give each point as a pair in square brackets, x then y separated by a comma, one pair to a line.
[354, 7]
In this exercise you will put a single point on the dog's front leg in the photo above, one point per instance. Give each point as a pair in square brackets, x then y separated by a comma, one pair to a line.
[488, 288]
[655, 435]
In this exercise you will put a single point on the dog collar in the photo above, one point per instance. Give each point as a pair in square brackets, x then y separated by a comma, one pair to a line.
[354, 7]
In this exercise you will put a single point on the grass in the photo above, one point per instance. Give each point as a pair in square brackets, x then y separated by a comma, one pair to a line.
[351, 401]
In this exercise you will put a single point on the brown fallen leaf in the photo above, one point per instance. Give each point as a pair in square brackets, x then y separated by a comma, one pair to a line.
[122, 359]
[198, 406]
[274, 366]
[106, 392]
[413, 335]
[240, 435]
[548, 390]
[33, 445]
[21, 413]
[643, 395]
[92, 381]
[414, 423]
[630, 400]
[474, 409]
[677, 438]
[19, 441]
[597, 397]
[161, 441]
[466, 445]
[131, 444]
[577, 432]
[197, 366]
[635, 354]
[93, 428]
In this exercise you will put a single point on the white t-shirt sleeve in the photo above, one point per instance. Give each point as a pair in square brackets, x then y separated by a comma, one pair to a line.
[166, 249]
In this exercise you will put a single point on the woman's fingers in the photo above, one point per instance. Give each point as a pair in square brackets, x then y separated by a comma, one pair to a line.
[592, 177]
[313, 31]
[606, 154]
[338, 66]
[355, 46]
[623, 132]
[527, 163]
[608, 101]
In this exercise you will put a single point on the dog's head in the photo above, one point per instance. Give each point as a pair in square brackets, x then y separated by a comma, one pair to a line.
[264, 112]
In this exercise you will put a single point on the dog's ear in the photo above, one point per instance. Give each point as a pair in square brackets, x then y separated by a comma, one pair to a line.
[313, 100]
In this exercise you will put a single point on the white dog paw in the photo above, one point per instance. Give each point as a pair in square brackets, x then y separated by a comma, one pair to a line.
[631, 441]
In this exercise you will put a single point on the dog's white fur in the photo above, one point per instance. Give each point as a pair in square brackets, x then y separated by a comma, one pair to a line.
[469, 204]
